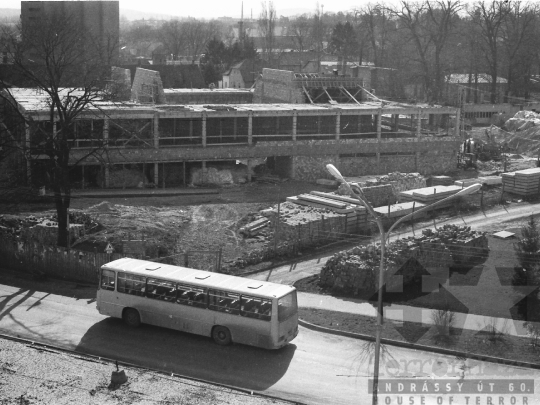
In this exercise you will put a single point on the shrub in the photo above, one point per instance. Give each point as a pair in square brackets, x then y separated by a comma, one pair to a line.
[528, 247]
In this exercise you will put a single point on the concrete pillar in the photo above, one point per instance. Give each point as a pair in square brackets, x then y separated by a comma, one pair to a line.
[82, 182]
[156, 174]
[379, 123]
[190, 130]
[294, 122]
[27, 156]
[250, 128]
[235, 127]
[378, 162]
[457, 123]
[338, 125]
[419, 124]
[106, 132]
[416, 161]
[204, 176]
[395, 122]
[204, 130]
[156, 130]
[249, 170]
[107, 176]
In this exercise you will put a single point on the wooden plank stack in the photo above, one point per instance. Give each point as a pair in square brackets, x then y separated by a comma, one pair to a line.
[429, 195]
[400, 210]
[441, 180]
[356, 215]
[523, 182]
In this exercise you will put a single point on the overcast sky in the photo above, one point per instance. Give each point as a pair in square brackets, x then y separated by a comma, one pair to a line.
[221, 8]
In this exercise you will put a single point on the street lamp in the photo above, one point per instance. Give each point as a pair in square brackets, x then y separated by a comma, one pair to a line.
[359, 194]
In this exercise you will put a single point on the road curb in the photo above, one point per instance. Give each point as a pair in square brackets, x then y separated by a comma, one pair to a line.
[98, 359]
[416, 346]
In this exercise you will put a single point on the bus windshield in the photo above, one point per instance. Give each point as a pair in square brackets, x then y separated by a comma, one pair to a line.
[287, 306]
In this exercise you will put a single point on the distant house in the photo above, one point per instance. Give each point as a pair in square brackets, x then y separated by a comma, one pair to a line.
[477, 88]
[243, 74]
[159, 55]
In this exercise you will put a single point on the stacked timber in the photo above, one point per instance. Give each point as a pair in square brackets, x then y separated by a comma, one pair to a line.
[523, 182]
[356, 215]
[467, 182]
[400, 210]
[441, 180]
[254, 227]
[489, 180]
[429, 195]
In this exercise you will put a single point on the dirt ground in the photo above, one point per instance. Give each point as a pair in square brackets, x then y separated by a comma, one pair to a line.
[171, 225]
[33, 374]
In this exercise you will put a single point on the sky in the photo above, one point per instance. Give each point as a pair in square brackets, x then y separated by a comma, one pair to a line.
[220, 8]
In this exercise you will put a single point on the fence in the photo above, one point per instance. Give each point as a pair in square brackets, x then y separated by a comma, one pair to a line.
[76, 265]
[58, 262]
[209, 260]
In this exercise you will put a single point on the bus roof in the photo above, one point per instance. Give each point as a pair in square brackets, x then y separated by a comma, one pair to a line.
[201, 278]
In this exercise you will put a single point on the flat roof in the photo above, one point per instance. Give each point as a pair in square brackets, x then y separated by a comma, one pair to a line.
[199, 277]
[32, 100]
[217, 90]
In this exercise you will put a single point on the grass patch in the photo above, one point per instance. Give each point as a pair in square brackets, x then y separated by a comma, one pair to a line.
[485, 342]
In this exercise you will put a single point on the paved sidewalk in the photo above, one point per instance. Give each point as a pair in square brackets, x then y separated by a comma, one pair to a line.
[290, 273]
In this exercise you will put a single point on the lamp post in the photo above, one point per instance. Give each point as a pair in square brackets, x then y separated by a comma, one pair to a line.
[359, 194]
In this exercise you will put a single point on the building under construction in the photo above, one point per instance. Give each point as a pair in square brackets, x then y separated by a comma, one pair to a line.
[308, 123]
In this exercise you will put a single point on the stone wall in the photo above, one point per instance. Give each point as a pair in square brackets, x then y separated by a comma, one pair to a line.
[277, 86]
[434, 161]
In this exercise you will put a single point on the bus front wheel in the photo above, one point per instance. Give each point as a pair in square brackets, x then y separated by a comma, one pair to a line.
[221, 335]
[131, 317]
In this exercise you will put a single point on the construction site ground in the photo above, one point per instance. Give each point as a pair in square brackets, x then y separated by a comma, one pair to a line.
[209, 222]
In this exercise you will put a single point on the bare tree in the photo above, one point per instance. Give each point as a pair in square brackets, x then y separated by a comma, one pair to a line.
[300, 30]
[197, 34]
[267, 25]
[429, 25]
[519, 39]
[172, 36]
[56, 58]
[376, 24]
[489, 18]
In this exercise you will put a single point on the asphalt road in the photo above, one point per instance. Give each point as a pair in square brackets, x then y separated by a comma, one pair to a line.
[316, 368]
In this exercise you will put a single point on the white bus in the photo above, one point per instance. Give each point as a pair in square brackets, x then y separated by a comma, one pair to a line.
[227, 308]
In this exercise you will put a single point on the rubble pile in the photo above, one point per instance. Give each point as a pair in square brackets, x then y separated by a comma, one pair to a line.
[44, 230]
[526, 128]
[356, 270]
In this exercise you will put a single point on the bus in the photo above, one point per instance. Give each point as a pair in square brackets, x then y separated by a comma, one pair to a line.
[226, 308]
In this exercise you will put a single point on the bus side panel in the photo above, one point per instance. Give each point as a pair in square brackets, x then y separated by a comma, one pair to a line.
[107, 302]
[249, 331]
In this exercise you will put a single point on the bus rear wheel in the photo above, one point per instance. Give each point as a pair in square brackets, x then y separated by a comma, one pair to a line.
[221, 335]
[131, 317]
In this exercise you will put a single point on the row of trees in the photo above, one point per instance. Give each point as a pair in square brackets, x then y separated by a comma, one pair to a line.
[424, 41]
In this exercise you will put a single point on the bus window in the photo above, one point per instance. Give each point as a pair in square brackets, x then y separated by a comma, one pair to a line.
[224, 301]
[131, 284]
[287, 306]
[107, 280]
[160, 289]
[190, 295]
[254, 307]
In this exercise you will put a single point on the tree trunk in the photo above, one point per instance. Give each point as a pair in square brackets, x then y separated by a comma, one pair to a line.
[62, 213]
